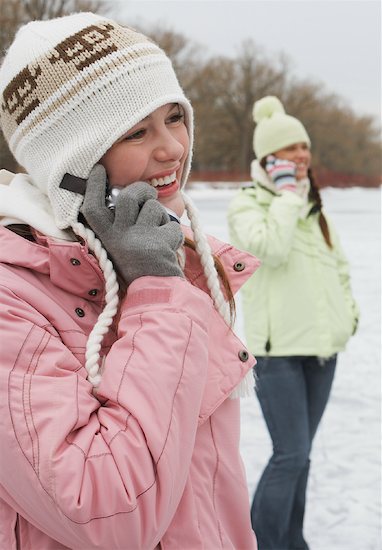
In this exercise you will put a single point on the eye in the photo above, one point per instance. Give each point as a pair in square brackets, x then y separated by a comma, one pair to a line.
[176, 116]
[136, 135]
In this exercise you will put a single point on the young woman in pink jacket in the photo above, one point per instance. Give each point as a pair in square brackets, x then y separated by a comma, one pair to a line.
[119, 369]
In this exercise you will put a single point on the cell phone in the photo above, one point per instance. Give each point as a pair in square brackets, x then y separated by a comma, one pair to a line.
[111, 197]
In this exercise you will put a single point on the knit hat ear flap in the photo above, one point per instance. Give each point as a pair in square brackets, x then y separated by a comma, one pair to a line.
[275, 129]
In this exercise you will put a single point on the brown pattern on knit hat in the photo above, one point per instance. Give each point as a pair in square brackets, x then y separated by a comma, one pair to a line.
[16, 95]
[71, 58]
[85, 47]
[86, 80]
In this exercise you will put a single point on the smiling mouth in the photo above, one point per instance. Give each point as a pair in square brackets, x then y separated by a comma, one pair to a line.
[163, 182]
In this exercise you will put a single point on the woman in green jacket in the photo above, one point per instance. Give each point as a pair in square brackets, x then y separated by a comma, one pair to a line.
[298, 310]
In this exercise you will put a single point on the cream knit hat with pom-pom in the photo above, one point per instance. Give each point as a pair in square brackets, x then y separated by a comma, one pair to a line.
[275, 129]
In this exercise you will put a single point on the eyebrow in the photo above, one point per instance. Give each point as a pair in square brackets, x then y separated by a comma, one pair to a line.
[172, 105]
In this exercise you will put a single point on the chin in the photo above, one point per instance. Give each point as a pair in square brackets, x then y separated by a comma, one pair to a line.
[178, 209]
[176, 204]
[302, 175]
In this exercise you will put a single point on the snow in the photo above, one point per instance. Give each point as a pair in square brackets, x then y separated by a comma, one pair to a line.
[344, 491]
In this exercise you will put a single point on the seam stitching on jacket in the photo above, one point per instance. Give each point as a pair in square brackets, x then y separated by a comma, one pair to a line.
[129, 358]
[46, 336]
[120, 431]
[214, 481]
[9, 393]
[26, 399]
[177, 387]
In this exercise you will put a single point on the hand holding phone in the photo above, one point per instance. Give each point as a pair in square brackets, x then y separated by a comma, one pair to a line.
[113, 192]
[138, 236]
[282, 172]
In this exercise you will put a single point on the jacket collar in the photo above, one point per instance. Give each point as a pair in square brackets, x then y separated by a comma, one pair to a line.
[68, 264]
[259, 175]
[22, 201]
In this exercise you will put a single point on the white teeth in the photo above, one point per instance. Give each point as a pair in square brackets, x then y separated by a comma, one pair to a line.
[163, 181]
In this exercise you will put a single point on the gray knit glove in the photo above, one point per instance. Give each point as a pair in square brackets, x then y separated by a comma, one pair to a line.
[138, 234]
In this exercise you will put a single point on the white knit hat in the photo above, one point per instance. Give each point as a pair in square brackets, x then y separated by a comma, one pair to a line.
[70, 88]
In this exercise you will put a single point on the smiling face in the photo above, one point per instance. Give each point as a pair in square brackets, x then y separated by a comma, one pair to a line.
[300, 154]
[155, 151]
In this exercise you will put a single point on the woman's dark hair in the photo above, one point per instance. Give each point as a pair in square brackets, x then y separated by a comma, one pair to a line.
[315, 197]
[22, 230]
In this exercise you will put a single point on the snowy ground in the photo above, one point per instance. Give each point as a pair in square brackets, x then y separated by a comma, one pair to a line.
[344, 493]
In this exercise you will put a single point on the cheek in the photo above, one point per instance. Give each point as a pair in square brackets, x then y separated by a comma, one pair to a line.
[284, 156]
[184, 139]
[123, 168]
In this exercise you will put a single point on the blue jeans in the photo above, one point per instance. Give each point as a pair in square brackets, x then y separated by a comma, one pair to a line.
[293, 393]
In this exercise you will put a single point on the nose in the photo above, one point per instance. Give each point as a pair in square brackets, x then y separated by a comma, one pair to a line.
[302, 153]
[168, 147]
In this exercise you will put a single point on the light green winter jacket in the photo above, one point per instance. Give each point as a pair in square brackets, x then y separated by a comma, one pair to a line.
[299, 302]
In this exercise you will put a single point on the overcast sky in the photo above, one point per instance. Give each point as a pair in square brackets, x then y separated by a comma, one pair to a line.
[334, 42]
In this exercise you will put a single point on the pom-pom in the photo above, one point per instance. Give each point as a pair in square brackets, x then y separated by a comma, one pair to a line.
[266, 107]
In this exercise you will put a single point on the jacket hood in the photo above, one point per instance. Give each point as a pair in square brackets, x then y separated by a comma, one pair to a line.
[259, 175]
[21, 201]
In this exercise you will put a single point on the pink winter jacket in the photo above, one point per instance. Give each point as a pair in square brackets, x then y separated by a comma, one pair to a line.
[154, 461]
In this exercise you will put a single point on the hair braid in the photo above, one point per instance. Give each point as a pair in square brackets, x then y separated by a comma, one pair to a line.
[93, 344]
[205, 254]
[315, 197]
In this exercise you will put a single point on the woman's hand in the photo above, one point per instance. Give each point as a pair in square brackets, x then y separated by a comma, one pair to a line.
[282, 172]
[138, 235]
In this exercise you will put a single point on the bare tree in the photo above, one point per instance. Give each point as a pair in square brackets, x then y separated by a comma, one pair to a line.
[342, 141]
[223, 97]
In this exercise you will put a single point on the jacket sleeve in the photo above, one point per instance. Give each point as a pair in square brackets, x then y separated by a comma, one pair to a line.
[265, 230]
[107, 472]
[344, 275]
